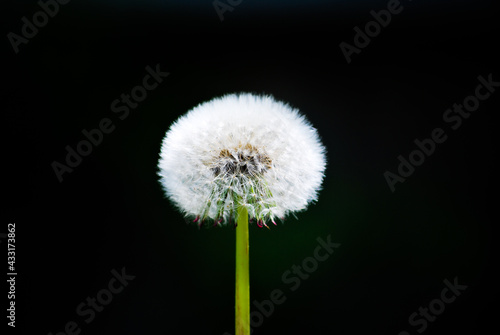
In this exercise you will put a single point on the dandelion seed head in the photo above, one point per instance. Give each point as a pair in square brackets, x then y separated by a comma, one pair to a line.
[241, 150]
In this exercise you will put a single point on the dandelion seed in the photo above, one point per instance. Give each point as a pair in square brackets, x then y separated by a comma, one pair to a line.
[242, 148]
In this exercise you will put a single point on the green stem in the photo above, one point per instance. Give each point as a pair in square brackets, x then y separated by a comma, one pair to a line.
[242, 296]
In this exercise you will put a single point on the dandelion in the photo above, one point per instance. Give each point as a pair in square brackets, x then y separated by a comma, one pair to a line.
[240, 157]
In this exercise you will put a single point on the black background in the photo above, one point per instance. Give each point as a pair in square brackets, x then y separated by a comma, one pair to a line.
[110, 212]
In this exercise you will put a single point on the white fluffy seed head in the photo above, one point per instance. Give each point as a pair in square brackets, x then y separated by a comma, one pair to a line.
[241, 150]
